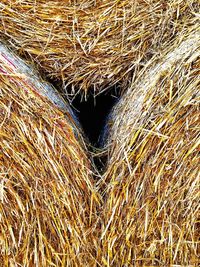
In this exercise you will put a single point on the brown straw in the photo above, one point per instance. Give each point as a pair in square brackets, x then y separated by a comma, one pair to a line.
[47, 194]
[94, 43]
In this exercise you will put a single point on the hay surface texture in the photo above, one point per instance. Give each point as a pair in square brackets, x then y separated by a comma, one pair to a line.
[46, 191]
[94, 43]
[151, 216]
[146, 212]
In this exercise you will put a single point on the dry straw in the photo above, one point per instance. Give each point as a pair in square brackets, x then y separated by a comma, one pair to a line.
[94, 43]
[47, 197]
[151, 215]
[50, 212]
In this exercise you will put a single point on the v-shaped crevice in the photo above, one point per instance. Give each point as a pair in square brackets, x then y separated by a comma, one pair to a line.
[93, 113]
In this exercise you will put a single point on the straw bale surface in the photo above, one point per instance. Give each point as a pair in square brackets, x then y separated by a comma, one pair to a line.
[152, 182]
[144, 210]
[94, 43]
[47, 195]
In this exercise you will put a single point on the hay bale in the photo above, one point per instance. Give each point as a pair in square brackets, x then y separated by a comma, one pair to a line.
[51, 212]
[47, 194]
[151, 186]
[94, 43]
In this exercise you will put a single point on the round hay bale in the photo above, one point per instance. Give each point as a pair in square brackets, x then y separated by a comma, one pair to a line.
[94, 43]
[47, 194]
[151, 214]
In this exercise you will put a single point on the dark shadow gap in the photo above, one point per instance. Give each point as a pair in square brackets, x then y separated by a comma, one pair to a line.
[93, 113]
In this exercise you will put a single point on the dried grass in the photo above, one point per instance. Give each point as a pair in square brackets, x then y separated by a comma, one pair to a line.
[47, 194]
[152, 182]
[144, 211]
[94, 43]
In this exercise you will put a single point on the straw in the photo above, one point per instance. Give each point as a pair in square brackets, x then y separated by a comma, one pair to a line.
[48, 198]
[93, 44]
[152, 182]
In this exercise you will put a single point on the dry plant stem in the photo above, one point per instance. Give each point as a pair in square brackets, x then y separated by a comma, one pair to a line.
[48, 199]
[94, 43]
[151, 216]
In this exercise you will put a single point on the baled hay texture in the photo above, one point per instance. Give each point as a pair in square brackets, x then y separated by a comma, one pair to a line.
[151, 217]
[47, 196]
[12, 65]
[94, 43]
